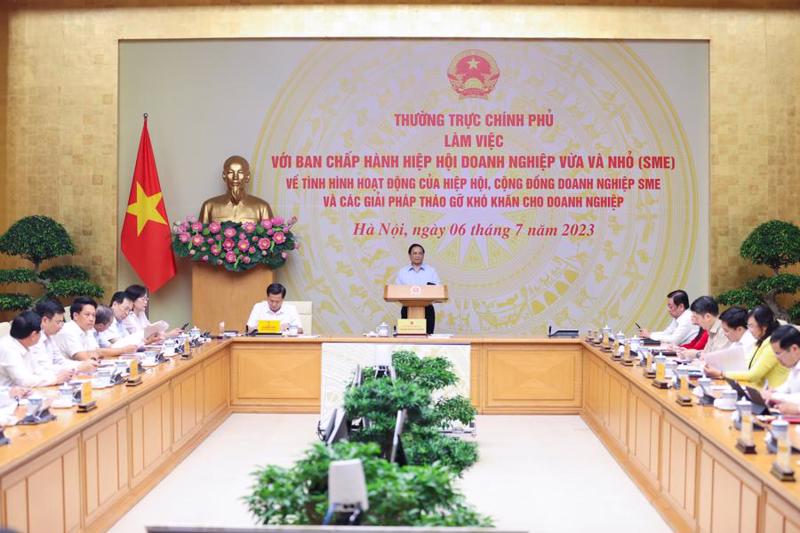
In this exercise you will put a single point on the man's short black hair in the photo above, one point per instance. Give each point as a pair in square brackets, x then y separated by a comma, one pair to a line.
[786, 335]
[24, 324]
[49, 308]
[415, 245]
[78, 304]
[136, 291]
[118, 297]
[276, 288]
[679, 297]
[734, 317]
[705, 304]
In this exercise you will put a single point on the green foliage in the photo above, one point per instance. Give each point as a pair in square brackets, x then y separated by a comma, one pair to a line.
[431, 373]
[782, 283]
[775, 243]
[64, 288]
[407, 496]
[427, 445]
[65, 272]
[37, 238]
[745, 297]
[453, 409]
[18, 275]
[794, 313]
[15, 301]
[378, 400]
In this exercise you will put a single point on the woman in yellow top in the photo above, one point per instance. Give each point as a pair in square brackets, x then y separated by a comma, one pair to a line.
[764, 367]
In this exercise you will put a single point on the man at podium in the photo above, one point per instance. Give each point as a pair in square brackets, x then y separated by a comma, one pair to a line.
[418, 273]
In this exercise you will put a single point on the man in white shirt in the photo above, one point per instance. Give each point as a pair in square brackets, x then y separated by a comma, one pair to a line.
[76, 339]
[734, 325]
[46, 351]
[681, 330]
[18, 366]
[419, 273]
[121, 305]
[273, 308]
[786, 345]
[104, 317]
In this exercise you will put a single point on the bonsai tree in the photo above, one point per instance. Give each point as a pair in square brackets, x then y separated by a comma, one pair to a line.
[39, 238]
[775, 244]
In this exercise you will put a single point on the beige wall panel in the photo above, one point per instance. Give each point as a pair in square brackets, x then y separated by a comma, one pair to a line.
[780, 517]
[48, 482]
[679, 465]
[215, 385]
[16, 504]
[730, 488]
[644, 432]
[46, 500]
[72, 490]
[276, 375]
[531, 376]
[151, 428]
[187, 405]
[617, 419]
[105, 463]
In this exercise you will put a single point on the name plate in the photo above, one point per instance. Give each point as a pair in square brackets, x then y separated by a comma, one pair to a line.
[411, 326]
[269, 326]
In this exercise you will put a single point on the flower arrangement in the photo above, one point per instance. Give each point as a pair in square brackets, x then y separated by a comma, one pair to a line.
[235, 246]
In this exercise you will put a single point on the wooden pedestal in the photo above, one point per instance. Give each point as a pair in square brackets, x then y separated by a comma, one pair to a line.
[222, 296]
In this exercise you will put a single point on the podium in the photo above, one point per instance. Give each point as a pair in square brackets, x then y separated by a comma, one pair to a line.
[415, 297]
[222, 296]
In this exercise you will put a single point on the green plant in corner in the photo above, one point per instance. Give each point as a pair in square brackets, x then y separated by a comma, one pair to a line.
[39, 238]
[775, 244]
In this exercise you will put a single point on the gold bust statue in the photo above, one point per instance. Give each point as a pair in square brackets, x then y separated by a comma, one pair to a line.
[236, 205]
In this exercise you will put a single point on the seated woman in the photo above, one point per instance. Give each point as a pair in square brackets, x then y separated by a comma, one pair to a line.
[763, 366]
[137, 320]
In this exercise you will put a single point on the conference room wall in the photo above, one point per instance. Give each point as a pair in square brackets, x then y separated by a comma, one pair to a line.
[62, 97]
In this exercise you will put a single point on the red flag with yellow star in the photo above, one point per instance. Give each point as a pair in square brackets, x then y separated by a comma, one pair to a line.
[146, 239]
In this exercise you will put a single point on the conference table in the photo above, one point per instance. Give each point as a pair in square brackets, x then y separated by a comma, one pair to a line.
[83, 471]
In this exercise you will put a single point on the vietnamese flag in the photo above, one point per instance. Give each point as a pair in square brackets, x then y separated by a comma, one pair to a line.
[146, 239]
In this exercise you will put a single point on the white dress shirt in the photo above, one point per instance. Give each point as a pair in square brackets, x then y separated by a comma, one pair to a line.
[287, 314]
[410, 276]
[7, 407]
[72, 339]
[49, 356]
[136, 322]
[790, 390]
[115, 331]
[747, 343]
[680, 330]
[19, 367]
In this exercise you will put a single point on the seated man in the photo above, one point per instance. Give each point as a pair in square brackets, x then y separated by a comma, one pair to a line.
[76, 339]
[104, 318]
[734, 325]
[680, 330]
[705, 313]
[273, 308]
[121, 305]
[18, 366]
[46, 351]
[786, 345]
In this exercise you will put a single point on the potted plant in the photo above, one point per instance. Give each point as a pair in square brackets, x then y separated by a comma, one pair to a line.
[38, 239]
[775, 244]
